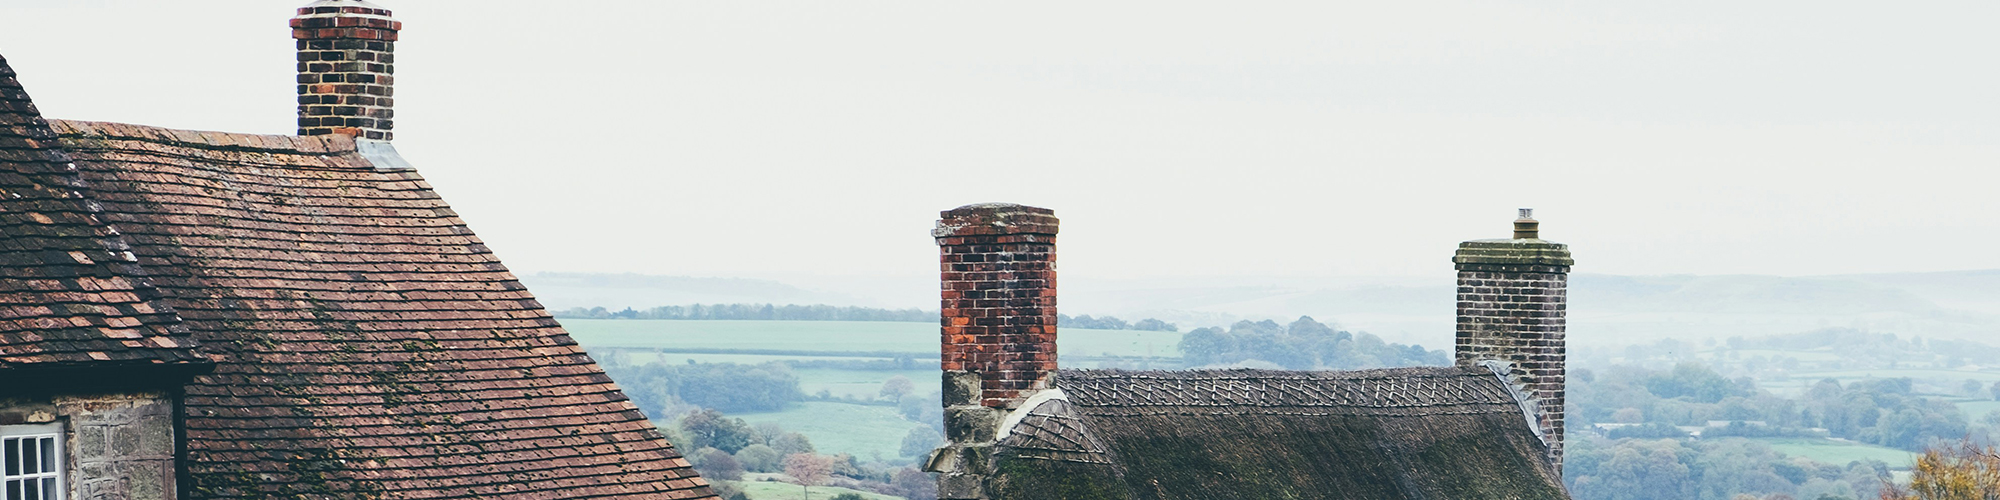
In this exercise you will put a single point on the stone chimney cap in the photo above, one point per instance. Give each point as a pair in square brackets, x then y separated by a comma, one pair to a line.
[995, 219]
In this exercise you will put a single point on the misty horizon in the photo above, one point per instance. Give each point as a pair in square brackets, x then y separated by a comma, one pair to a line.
[1271, 138]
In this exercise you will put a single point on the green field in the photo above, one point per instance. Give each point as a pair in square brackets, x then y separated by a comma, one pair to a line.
[1839, 452]
[866, 432]
[831, 336]
[763, 490]
[836, 341]
[837, 337]
[863, 384]
[1976, 408]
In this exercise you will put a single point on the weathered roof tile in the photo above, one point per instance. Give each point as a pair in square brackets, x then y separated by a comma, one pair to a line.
[1405, 433]
[68, 293]
[365, 343]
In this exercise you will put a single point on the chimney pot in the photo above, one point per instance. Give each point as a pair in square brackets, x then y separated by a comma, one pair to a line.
[1526, 227]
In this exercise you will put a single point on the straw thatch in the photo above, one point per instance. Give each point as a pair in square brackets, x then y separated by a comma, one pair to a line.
[1406, 433]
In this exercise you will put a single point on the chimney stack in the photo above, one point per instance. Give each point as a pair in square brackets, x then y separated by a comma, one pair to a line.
[998, 267]
[347, 56]
[998, 326]
[1512, 300]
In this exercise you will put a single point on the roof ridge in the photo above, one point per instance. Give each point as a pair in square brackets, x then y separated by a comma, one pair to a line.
[1260, 373]
[205, 139]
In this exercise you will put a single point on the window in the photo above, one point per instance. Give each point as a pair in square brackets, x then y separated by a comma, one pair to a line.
[31, 462]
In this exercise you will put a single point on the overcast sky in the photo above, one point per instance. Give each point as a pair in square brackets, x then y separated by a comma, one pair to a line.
[773, 138]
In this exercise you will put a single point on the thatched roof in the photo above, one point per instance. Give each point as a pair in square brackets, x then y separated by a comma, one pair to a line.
[1405, 433]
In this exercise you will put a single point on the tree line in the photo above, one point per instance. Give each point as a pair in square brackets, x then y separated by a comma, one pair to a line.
[663, 388]
[725, 448]
[766, 312]
[1305, 344]
[1113, 323]
[1884, 412]
[695, 396]
[823, 312]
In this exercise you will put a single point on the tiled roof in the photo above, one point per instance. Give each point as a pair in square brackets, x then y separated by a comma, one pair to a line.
[1403, 433]
[366, 344]
[71, 292]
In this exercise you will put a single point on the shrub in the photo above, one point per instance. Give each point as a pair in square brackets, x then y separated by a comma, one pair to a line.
[760, 458]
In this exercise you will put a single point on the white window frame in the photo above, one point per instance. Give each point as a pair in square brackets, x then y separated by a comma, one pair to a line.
[12, 435]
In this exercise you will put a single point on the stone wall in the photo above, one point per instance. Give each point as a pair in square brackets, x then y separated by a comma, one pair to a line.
[119, 446]
[1512, 303]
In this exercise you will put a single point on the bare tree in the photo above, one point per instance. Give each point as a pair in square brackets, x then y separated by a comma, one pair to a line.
[809, 470]
[898, 387]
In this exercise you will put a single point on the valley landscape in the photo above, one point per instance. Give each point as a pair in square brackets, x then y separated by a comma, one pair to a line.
[1731, 370]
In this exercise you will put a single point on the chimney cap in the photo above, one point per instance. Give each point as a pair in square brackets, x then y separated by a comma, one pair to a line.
[1525, 248]
[995, 219]
[343, 8]
[343, 3]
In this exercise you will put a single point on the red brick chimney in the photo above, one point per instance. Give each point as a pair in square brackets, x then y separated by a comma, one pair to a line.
[347, 59]
[998, 265]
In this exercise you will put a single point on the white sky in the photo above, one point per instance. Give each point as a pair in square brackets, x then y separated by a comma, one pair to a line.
[772, 138]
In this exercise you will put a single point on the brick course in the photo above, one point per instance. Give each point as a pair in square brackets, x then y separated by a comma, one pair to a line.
[1512, 303]
[347, 67]
[997, 263]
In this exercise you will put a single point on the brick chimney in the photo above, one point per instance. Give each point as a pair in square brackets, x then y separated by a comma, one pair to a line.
[1512, 299]
[998, 266]
[347, 63]
[998, 330]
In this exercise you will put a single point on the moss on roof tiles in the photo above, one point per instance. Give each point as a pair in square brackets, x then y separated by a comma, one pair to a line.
[1410, 433]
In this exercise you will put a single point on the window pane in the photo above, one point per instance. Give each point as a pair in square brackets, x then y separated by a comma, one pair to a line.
[49, 488]
[12, 457]
[28, 463]
[48, 454]
[34, 490]
[14, 490]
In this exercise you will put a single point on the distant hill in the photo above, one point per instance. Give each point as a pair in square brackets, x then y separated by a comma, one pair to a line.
[1604, 309]
[1964, 290]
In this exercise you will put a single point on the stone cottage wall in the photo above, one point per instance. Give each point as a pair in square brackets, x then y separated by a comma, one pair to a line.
[116, 445]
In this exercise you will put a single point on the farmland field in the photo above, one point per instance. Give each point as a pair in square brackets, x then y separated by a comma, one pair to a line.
[764, 490]
[1839, 452]
[829, 337]
[864, 431]
[1976, 408]
[862, 384]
